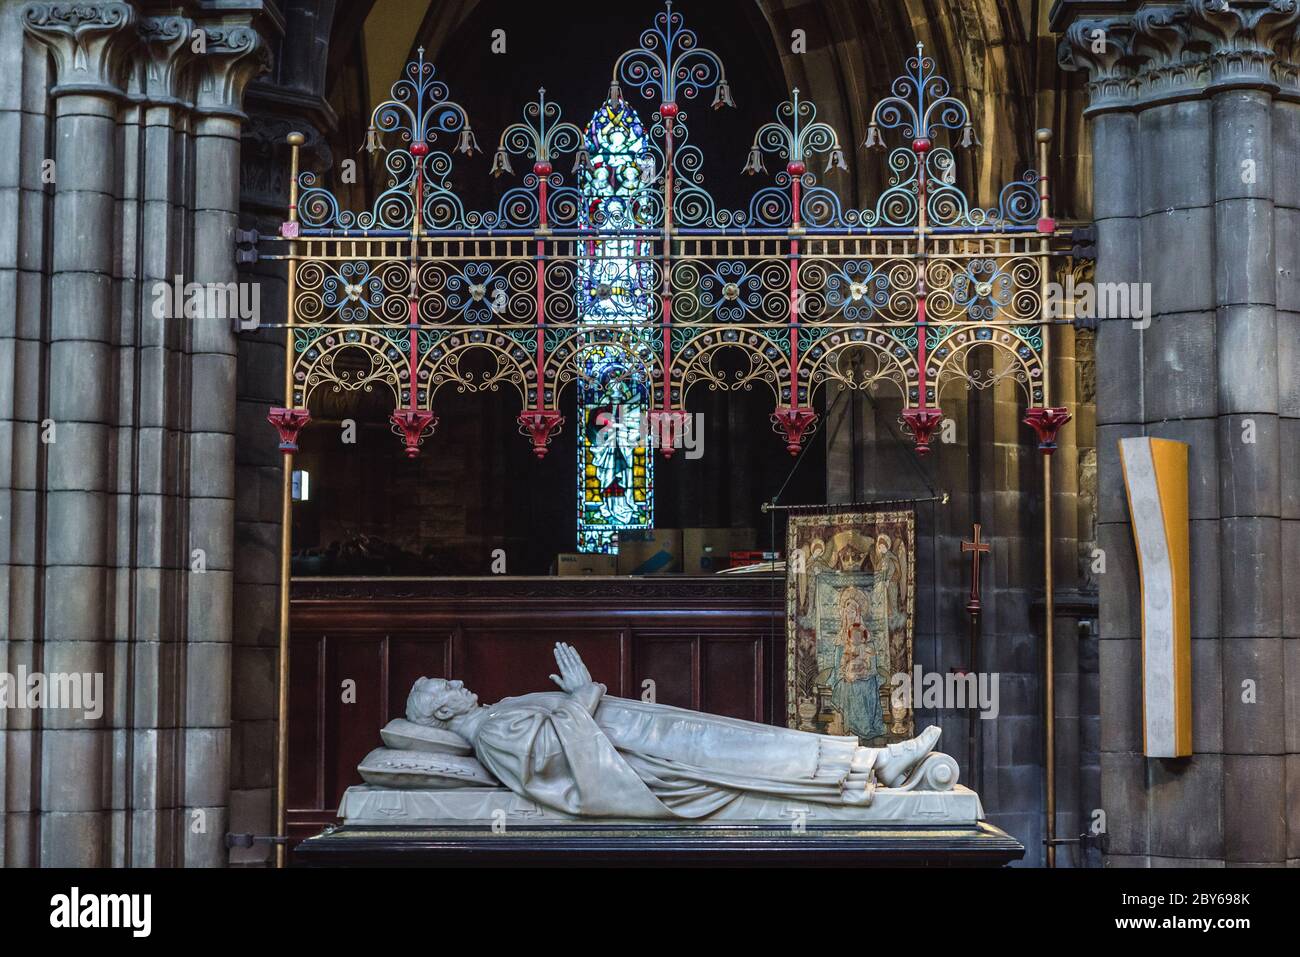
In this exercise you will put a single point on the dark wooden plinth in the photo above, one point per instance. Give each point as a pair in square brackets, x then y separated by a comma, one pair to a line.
[668, 845]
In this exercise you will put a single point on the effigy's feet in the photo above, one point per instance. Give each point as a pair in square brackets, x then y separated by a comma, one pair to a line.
[896, 761]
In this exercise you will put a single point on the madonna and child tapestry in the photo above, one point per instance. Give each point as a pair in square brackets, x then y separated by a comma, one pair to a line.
[849, 595]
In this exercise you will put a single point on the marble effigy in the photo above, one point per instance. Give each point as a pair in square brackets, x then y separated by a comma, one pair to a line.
[580, 754]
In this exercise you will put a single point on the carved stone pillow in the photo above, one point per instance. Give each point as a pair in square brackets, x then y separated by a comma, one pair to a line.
[389, 768]
[408, 736]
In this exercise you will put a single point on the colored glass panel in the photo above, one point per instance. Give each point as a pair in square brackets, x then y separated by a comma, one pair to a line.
[615, 471]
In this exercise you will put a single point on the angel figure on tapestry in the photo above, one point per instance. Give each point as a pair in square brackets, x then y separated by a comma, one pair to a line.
[891, 599]
[809, 558]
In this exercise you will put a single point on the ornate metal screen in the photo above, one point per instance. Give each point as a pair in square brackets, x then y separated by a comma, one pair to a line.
[624, 252]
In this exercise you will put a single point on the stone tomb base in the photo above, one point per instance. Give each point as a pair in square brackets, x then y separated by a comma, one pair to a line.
[490, 826]
[387, 807]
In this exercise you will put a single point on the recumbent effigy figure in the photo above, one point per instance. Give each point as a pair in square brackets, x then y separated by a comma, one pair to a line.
[584, 754]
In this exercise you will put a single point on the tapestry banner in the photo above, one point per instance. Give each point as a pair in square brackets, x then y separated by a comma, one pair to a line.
[850, 583]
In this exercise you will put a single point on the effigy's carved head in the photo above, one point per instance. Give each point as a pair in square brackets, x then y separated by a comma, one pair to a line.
[435, 701]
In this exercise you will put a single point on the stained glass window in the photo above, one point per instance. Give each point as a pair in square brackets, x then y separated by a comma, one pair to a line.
[615, 293]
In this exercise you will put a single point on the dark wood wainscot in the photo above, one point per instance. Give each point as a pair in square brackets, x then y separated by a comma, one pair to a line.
[714, 644]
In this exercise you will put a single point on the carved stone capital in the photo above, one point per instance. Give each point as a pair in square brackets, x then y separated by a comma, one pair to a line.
[1162, 36]
[1165, 51]
[89, 43]
[1246, 37]
[1287, 74]
[166, 43]
[1105, 49]
[1174, 61]
[234, 54]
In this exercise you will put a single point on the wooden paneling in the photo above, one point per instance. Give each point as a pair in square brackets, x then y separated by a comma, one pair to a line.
[498, 661]
[668, 661]
[707, 643]
[305, 710]
[411, 657]
[731, 678]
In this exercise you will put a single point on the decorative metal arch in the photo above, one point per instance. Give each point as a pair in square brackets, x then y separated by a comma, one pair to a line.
[318, 350]
[511, 350]
[766, 350]
[566, 347]
[1016, 344]
[882, 358]
[895, 294]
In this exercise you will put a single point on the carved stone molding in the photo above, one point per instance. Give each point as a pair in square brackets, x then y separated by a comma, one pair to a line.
[264, 160]
[89, 43]
[235, 54]
[1163, 52]
[1287, 74]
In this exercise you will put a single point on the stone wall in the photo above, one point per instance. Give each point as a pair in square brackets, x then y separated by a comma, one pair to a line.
[1195, 125]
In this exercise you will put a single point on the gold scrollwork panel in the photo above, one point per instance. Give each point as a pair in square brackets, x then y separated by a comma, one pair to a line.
[761, 361]
[863, 360]
[1010, 353]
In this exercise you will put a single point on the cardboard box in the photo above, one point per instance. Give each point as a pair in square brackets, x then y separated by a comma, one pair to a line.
[650, 551]
[708, 550]
[570, 564]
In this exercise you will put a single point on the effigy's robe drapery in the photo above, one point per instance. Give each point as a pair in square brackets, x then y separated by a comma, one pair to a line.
[641, 760]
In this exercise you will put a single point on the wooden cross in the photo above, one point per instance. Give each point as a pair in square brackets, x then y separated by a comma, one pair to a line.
[976, 548]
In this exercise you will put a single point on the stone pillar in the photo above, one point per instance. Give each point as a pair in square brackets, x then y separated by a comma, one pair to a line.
[1286, 225]
[235, 53]
[24, 197]
[121, 425]
[1188, 102]
[1243, 87]
[89, 47]
[152, 572]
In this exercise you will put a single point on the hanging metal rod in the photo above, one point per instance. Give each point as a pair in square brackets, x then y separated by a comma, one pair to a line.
[941, 498]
